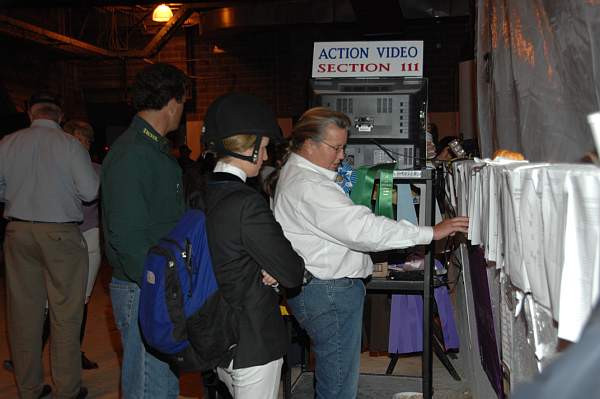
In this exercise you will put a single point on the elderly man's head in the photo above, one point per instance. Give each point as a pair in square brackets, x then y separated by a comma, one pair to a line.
[320, 136]
[45, 106]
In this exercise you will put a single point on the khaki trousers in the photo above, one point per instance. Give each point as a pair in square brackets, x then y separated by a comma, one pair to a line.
[45, 261]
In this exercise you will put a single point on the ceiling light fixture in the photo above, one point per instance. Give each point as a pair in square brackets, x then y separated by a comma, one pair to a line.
[217, 50]
[162, 13]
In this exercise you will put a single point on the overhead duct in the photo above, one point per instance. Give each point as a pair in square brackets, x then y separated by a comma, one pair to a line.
[278, 14]
[378, 17]
[386, 17]
[412, 9]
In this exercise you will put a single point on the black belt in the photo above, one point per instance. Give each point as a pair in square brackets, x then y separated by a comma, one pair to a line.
[307, 277]
[12, 219]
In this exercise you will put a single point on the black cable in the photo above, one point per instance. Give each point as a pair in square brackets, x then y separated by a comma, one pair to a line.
[387, 151]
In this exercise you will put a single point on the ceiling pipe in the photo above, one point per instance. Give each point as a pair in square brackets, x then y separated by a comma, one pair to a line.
[25, 30]
[295, 12]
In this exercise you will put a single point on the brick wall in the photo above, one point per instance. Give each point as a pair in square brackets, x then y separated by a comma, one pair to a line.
[273, 64]
[109, 80]
[35, 68]
[276, 65]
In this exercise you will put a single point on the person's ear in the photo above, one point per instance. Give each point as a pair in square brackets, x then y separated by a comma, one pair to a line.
[172, 106]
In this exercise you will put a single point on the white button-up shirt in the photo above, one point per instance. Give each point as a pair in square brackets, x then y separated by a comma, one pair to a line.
[328, 230]
[229, 168]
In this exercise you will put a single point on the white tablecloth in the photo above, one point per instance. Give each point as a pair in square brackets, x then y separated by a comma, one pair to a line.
[540, 223]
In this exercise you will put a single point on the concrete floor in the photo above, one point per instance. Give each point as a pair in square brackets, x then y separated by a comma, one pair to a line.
[102, 344]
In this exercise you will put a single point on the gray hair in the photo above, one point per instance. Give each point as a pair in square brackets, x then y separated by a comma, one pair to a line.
[77, 126]
[313, 123]
[46, 111]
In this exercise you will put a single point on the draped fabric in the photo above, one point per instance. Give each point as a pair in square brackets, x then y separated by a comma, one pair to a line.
[538, 76]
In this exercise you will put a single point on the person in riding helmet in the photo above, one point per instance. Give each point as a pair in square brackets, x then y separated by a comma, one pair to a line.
[251, 256]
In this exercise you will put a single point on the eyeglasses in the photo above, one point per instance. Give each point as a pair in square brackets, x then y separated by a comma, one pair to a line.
[336, 148]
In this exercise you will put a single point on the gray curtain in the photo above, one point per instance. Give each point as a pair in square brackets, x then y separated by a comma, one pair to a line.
[538, 76]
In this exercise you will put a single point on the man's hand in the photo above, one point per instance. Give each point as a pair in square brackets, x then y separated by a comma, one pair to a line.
[430, 150]
[450, 226]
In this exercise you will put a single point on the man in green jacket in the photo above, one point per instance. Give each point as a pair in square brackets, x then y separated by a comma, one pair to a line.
[142, 200]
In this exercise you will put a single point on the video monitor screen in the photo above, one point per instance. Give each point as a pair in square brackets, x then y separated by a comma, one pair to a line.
[381, 109]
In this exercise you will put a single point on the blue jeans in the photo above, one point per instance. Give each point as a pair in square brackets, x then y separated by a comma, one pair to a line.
[331, 313]
[143, 376]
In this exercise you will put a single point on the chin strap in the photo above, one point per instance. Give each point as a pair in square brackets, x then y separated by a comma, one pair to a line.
[252, 159]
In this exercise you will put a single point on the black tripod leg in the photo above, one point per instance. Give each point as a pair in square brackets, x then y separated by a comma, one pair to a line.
[393, 360]
[439, 352]
[286, 376]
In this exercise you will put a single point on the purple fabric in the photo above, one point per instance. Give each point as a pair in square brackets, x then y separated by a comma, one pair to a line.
[486, 332]
[406, 322]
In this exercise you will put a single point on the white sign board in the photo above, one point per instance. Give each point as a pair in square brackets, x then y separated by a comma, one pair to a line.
[367, 59]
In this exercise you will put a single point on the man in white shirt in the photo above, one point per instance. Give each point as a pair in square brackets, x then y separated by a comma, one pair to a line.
[45, 174]
[334, 237]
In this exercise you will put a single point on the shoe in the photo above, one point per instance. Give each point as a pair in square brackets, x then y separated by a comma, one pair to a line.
[86, 363]
[46, 390]
[8, 365]
[83, 393]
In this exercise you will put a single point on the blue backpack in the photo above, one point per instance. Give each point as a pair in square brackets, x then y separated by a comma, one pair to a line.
[182, 314]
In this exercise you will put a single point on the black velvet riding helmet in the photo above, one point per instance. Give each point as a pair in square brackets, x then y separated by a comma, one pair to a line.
[238, 113]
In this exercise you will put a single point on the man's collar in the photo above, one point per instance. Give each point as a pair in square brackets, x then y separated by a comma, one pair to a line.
[45, 123]
[305, 163]
[149, 133]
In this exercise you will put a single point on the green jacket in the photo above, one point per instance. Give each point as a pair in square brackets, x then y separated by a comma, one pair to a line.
[142, 197]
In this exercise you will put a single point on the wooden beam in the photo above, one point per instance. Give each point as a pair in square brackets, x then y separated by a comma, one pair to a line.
[163, 35]
[17, 28]
[25, 30]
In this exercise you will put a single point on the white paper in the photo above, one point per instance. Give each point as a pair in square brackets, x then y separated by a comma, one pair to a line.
[581, 268]
[594, 121]
[531, 226]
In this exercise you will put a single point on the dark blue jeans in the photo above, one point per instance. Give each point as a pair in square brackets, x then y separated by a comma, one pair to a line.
[143, 376]
[331, 313]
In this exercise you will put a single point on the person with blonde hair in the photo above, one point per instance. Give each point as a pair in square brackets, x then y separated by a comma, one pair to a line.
[84, 133]
[334, 237]
[251, 256]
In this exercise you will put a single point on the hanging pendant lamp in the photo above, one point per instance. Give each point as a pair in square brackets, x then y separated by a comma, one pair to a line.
[162, 13]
